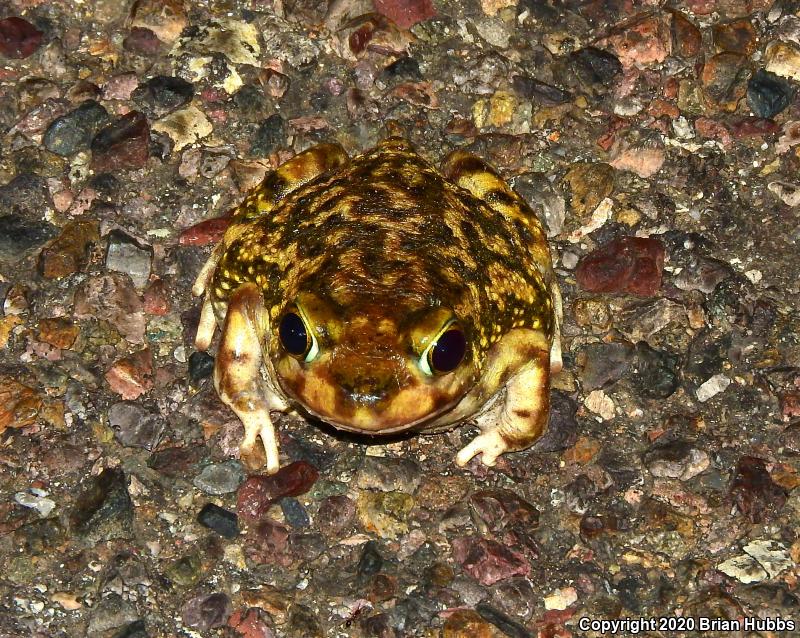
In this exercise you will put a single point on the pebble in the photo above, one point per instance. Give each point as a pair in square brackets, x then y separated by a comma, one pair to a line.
[185, 571]
[18, 38]
[269, 135]
[20, 235]
[268, 543]
[771, 555]
[587, 184]
[655, 373]
[624, 265]
[142, 41]
[493, 511]
[207, 612]
[185, 127]
[134, 426]
[642, 41]
[754, 492]
[388, 474]
[466, 623]
[601, 364]
[783, 59]
[676, 459]
[303, 623]
[59, 332]
[136, 629]
[165, 18]
[768, 94]
[163, 94]
[112, 298]
[406, 13]
[123, 145]
[488, 561]
[686, 37]
[69, 252]
[336, 515]
[722, 80]
[124, 254]
[294, 513]
[111, 612]
[597, 69]
[789, 194]
[103, 509]
[222, 521]
[220, 478]
[38, 502]
[712, 387]
[644, 160]
[384, 514]
[743, 568]
[257, 494]
[206, 232]
[736, 36]
[369, 563]
[251, 623]
[561, 598]
[73, 132]
[132, 376]
[201, 366]
[156, 301]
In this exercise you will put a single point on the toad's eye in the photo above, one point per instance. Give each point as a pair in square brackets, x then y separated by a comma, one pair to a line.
[296, 338]
[445, 353]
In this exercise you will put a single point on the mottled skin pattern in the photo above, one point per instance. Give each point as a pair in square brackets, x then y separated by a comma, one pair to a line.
[378, 255]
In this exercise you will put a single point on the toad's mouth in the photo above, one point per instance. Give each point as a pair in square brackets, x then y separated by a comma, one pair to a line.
[408, 408]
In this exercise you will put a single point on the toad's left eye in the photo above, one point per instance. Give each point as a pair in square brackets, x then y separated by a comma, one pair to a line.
[445, 353]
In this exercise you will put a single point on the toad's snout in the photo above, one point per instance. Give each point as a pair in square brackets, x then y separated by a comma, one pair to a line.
[368, 380]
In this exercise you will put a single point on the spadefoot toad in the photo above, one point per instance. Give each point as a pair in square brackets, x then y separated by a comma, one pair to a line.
[380, 295]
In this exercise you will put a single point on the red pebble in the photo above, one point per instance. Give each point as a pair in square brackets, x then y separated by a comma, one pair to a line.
[754, 492]
[626, 264]
[124, 144]
[206, 232]
[257, 494]
[18, 38]
[405, 13]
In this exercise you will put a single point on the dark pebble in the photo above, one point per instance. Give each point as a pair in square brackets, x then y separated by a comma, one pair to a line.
[258, 493]
[495, 510]
[655, 373]
[206, 612]
[250, 99]
[370, 563]
[621, 471]
[106, 185]
[123, 145]
[405, 67]
[18, 38]
[628, 593]
[136, 629]
[562, 425]
[504, 623]
[222, 521]
[134, 426]
[26, 195]
[544, 94]
[142, 41]
[176, 461]
[74, 131]
[103, 509]
[294, 513]
[269, 136]
[111, 612]
[596, 67]
[18, 235]
[605, 363]
[768, 94]
[201, 366]
[303, 623]
[163, 94]
[754, 492]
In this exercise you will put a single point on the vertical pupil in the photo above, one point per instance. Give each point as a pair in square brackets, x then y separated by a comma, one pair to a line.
[448, 351]
[292, 332]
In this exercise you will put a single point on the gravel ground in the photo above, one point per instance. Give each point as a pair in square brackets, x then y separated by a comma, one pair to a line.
[660, 144]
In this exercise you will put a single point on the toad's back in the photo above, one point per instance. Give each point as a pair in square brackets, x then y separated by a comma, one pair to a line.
[388, 231]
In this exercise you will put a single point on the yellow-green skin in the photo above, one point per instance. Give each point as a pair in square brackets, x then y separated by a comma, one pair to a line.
[379, 254]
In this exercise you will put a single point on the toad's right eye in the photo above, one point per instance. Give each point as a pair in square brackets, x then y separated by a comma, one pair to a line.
[294, 335]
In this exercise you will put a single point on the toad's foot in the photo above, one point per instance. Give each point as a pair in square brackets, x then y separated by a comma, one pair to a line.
[523, 417]
[258, 426]
[489, 445]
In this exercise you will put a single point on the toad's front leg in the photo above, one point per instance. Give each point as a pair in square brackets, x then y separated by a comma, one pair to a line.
[523, 418]
[237, 373]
